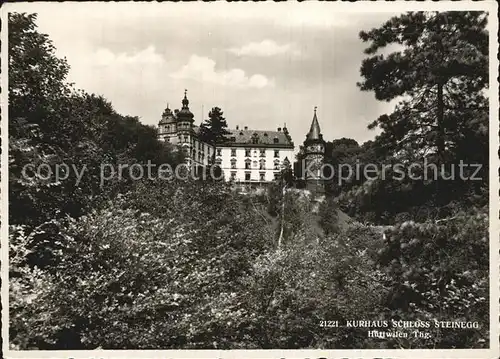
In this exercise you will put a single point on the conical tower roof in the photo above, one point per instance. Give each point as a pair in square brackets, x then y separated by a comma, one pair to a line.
[314, 133]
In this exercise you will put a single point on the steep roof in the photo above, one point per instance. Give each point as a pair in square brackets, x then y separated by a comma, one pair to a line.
[315, 131]
[263, 138]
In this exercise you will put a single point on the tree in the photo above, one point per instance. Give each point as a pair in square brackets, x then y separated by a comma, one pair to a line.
[52, 124]
[37, 78]
[214, 129]
[438, 74]
[441, 71]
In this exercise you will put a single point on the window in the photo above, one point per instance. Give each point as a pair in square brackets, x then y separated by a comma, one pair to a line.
[233, 176]
[276, 153]
[247, 152]
[219, 152]
[276, 175]
[255, 138]
[186, 138]
[262, 176]
[262, 165]
[233, 163]
[247, 176]
[233, 152]
[262, 153]
[247, 164]
[276, 165]
[275, 140]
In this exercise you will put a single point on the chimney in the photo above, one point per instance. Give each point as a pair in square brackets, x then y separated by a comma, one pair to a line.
[246, 127]
[237, 127]
[279, 129]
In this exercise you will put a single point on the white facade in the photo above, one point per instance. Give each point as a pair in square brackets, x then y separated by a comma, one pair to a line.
[252, 164]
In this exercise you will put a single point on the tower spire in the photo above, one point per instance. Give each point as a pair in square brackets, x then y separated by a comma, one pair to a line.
[314, 131]
[185, 101]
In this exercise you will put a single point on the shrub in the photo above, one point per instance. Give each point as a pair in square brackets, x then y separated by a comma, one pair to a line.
[439, 270]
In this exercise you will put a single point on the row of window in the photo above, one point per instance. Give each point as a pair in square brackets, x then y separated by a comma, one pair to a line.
[261, 164]
[248, 152]
[180, 126]
[248, 176]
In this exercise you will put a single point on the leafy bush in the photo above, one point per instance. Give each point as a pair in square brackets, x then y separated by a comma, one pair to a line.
[122, 278]
[439, 270]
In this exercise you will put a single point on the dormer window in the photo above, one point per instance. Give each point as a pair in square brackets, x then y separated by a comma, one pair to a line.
[265, 134]
[275, 140]
[255, 138]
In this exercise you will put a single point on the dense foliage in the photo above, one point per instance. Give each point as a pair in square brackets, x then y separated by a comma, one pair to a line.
[195, 264]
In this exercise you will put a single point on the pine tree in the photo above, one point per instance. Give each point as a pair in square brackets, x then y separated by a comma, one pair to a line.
[438, 74]
[214, 129]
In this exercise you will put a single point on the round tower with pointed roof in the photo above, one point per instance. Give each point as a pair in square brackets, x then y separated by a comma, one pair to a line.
[314, 156]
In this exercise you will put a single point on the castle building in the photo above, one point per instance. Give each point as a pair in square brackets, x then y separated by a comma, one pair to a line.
[248, 156]
[314, 156]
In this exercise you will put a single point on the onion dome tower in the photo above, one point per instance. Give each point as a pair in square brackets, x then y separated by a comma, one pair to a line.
[314, 148]
[185, 120]
[185, 116]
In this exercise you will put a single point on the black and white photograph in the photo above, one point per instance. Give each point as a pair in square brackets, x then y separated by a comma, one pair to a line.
[275, 179]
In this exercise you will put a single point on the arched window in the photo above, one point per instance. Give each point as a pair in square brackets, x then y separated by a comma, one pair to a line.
[248, 163]
[233, 163]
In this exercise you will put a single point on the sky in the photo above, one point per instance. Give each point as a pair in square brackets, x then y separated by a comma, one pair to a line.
[264, 65]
